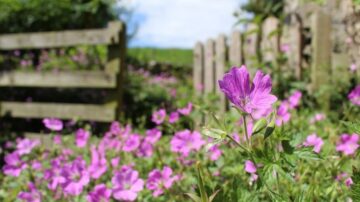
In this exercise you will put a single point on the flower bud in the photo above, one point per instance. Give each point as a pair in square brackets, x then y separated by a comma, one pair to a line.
[259, 126]
[270, 128]
[214, 133]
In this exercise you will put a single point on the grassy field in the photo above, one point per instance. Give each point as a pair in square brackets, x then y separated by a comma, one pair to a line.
[181, 57]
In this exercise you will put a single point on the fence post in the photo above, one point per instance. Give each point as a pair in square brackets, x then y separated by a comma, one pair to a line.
[220, 68]
[116, 65]
[250, 43]
[209, 74]
[198, 69]
[235, 50]
[321, 55]
[270, 39]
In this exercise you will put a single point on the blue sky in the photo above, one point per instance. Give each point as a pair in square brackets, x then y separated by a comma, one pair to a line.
[179, 23]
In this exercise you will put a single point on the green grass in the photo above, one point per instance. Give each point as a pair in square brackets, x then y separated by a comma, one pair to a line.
[178, 57]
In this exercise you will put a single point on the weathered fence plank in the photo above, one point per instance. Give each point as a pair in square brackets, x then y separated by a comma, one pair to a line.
[61, 38]
[321, 53]
[209, 72]
[220, 68]
[270, 39]
[198, 69]
[250, 45]
[78, 79]
[58, 110]
[235, 49]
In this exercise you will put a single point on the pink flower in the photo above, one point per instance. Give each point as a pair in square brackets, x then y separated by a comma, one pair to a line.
[315, 141]
[158, 117]
[146, 149]
[132, 143]
[76, 177]
[32, 196]
[153, 135]
[215, 153]
[14, 166]
[115, 162]
[354, 96]
[245, 95]
[57, 139]
[186, 110]
[294, 99]
[186, 141]
[98, 163]
[317, 117]
[173, 117]
[348, 182]
[25, 146]
[284, 48]
[81, 137]
[353, 67]
[283, 115]
[126, 184]
[158, 180]
[53, 124]
[348, 144]
[250, 167]
[100, 193]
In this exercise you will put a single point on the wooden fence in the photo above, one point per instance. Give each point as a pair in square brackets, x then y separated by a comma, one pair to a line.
[309, 38]
[114, 36]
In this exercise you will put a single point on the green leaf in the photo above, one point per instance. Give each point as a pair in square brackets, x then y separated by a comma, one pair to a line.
[213, 195]
[307, 154]
[203, 194]
[355, 187]
[287, 147]
[193, 197]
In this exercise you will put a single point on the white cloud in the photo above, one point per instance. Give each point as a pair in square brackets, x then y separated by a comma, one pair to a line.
[180, 23]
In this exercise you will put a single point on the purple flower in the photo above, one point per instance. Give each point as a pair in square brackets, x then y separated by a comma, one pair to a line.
[186, 141]
[315, 141]
[100, 193]
[14, 165]
[348, 144]
[294, 99]
[247, 96]
[354, 96]
[283, 115]
[132, 143]
[32, 196]
[250, 167]
[115, 162]
[153, 135]
[348, 182]
[158, 117]
[54, 175]
[215, 153]
[76, 175]
[146, 149]
[186, 110]
[126, 184]
[57, 139]
[98, 163]
[173, 117]
[25, 146]
[159, 180]
[53, 124]
[81, 137]
[317, 117]
[353, 67]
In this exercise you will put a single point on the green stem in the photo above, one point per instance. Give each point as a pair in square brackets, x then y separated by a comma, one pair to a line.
[238, 144]
[246, 132]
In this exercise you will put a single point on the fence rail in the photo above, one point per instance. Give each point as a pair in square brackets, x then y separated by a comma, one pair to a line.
[114, 36]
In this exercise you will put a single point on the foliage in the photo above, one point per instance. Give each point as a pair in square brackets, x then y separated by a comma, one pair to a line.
[43, 15]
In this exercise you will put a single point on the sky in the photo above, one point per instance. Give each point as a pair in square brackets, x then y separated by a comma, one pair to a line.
[179, 23]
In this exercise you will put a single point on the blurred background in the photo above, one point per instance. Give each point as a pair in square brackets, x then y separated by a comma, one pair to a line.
[166, 45]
